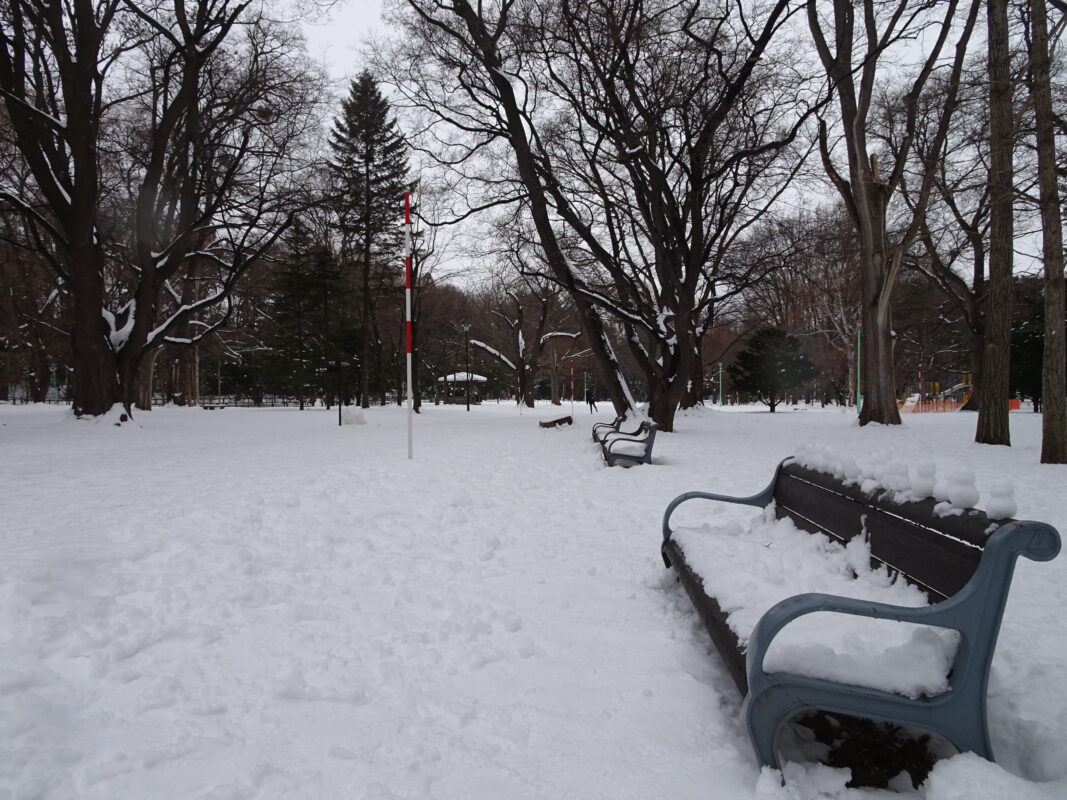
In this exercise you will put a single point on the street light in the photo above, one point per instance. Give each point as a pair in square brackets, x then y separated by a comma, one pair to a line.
[467, 349]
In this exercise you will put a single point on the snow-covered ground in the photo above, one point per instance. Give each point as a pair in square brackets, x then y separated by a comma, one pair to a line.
[261, 604]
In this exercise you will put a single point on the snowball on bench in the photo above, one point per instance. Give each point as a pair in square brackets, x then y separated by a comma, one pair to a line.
[747, 572]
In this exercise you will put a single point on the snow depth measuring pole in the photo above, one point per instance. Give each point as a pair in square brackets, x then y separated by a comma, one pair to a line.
[407, 304]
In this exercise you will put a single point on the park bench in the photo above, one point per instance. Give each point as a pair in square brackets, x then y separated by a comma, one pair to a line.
[628, 449]
[963, 563]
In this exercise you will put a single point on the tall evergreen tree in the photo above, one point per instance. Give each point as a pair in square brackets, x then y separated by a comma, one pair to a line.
[370, 169]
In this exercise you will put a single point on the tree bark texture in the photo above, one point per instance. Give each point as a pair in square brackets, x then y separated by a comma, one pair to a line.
[993, 400]
[1054, 364]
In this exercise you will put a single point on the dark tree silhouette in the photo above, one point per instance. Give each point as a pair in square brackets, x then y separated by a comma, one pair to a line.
[770, 366]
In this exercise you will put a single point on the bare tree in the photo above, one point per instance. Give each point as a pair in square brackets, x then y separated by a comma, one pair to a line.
[852, 45]
[54, 60]
[163, 141]
[648, 129]
[523, 311]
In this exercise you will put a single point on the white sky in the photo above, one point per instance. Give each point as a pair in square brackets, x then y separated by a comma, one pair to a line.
[337, 37]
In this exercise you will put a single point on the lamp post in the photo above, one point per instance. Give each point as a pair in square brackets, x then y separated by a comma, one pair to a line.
[467, 350]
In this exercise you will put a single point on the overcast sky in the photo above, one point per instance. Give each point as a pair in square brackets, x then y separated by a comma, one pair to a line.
[337, 37]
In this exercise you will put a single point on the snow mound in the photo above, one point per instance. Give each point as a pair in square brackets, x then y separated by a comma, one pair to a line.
[352, 415]
[900, 481]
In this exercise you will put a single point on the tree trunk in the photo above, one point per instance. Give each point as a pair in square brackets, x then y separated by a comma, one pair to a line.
[188, 374]
[42, 375]
[5, 374]
[993, 398]
[554, 380]
[1053, 376]
[877, 365]
[694, 394]
[364, 332]
[977, 346]
[146, 381]
[674, 382]
[94, 384]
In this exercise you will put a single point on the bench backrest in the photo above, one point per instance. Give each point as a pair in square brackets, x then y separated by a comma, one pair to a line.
[937, 554]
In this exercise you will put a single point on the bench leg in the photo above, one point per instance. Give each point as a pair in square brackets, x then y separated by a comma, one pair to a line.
[764, 715]
[962, 723]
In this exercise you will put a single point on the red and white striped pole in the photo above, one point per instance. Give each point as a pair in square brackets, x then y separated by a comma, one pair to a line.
[407, 304]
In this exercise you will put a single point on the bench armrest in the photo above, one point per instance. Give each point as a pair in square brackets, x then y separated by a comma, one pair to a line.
[943, 615]
[606, 436]
[761, 500]
[607, 427]
[607, 445]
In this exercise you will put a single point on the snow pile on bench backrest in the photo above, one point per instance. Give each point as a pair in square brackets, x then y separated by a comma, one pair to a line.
[911, 482]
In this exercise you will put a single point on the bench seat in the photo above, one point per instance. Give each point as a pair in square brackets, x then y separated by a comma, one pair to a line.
[750, 570]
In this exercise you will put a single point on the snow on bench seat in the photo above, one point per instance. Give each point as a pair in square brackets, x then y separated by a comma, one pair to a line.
[636, 449]
[748, 571]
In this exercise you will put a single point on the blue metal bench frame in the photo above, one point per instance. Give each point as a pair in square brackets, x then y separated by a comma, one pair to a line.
[975, 611]
[645, 434]
[602, 431]
[604, 428]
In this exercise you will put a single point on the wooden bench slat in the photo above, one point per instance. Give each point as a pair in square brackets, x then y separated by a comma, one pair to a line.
[939, 560]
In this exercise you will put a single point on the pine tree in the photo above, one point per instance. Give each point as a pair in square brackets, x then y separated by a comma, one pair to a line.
[770, 366]
[369, 168]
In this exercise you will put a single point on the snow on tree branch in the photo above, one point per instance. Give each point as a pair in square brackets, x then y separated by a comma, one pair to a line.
[503, 359]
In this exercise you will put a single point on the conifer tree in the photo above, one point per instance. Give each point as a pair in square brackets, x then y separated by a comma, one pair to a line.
[770, 366]
[369, 168]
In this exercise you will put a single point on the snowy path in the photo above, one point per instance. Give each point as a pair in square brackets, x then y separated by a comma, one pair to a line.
[257, 604]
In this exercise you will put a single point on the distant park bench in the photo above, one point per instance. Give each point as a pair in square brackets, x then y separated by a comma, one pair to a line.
[212, 406]
[628, 449]
[963, 563]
